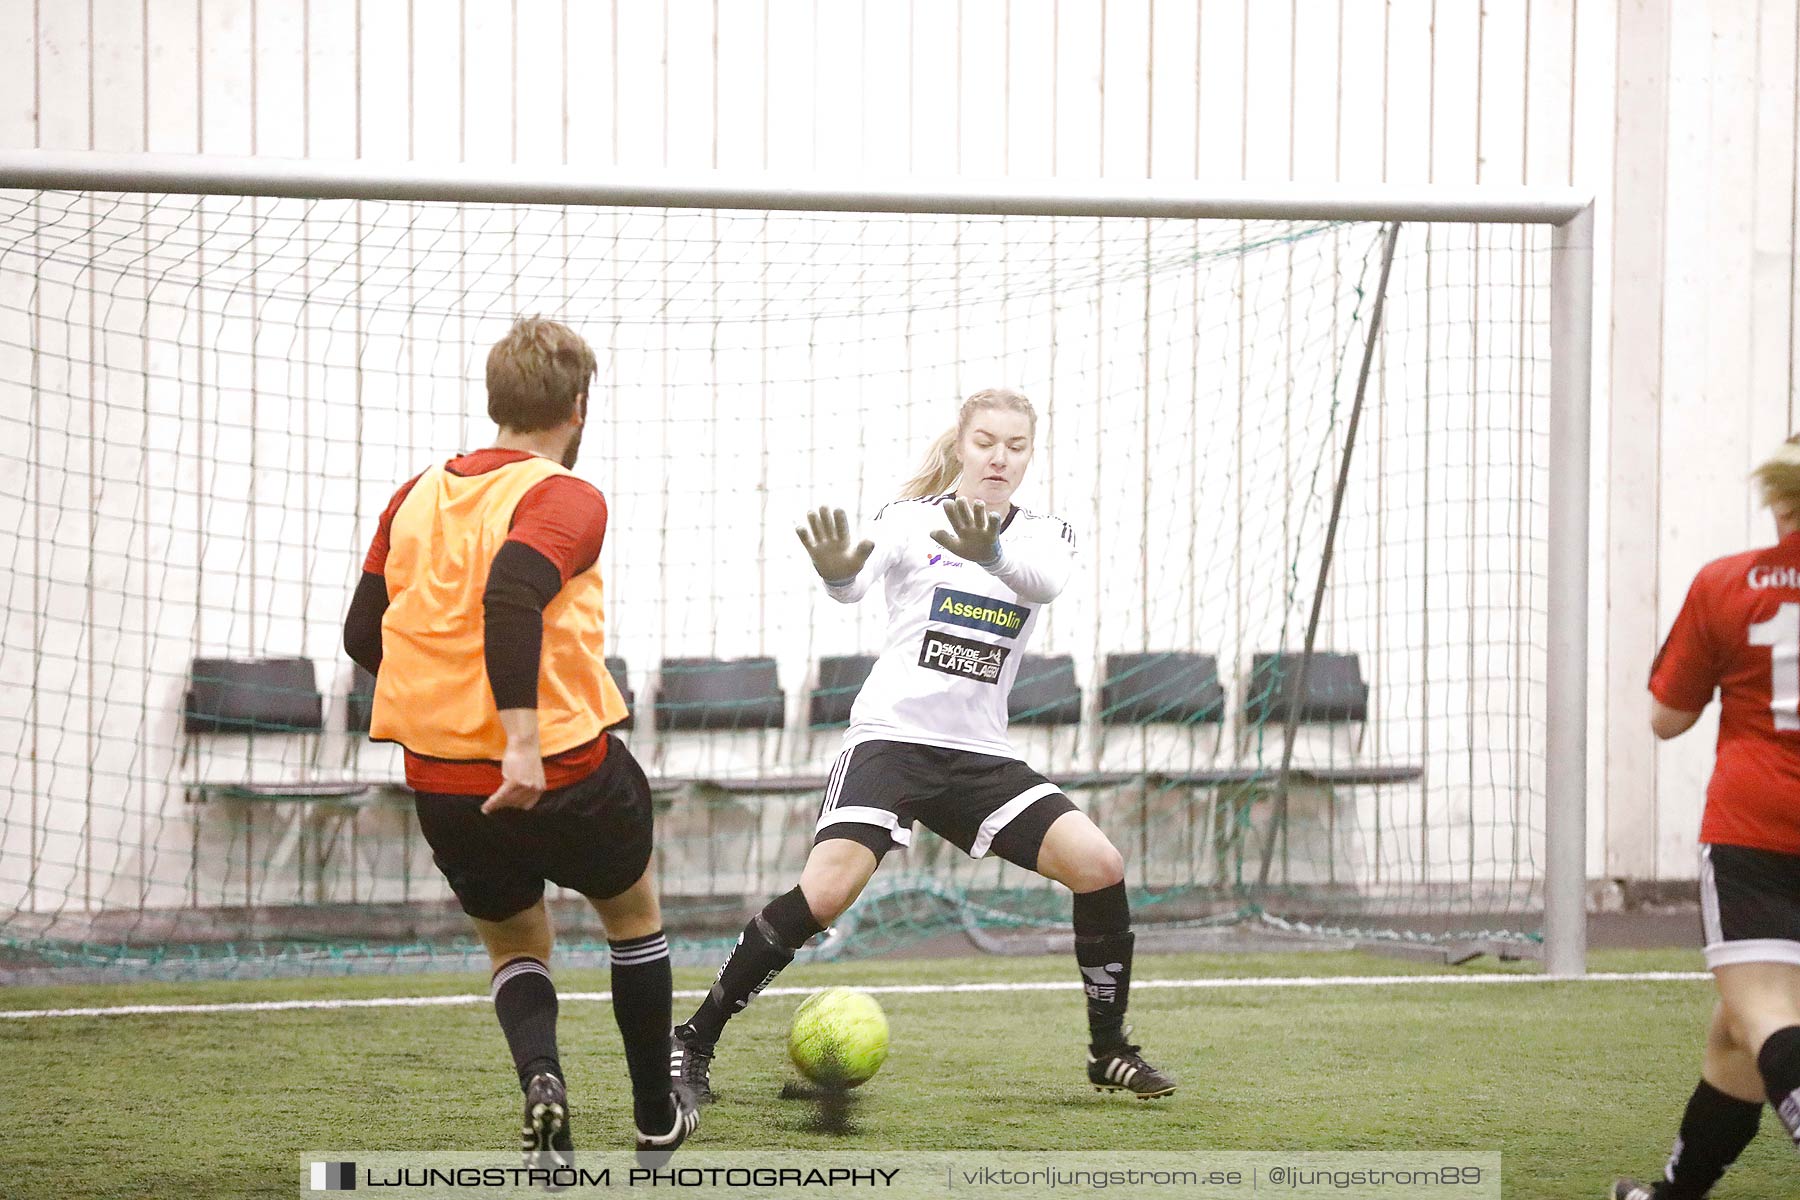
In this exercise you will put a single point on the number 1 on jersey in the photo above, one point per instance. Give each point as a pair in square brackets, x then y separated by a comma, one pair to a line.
[1781, 634]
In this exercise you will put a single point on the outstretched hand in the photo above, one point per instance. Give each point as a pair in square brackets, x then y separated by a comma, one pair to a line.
[826, 536]
[974, 531]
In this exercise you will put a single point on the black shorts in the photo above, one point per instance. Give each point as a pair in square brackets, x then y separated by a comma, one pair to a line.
[1749, 905]
[593, 836]
[981, 802]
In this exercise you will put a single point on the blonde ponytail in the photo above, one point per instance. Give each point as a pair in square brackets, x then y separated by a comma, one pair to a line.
[1780, 479]
[942, 468]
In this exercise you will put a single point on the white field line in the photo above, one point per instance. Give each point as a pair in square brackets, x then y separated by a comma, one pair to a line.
[893, 989]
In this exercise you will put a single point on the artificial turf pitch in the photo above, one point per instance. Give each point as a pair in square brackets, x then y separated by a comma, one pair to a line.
[1573, 1082]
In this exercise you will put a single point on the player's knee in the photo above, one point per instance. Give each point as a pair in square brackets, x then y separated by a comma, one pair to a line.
[1722, 1033]
[830, 896]
[1750, 1025]
[1100, 867]
[635, 923]
[1110, 866]
[635, 912]
[834, 876]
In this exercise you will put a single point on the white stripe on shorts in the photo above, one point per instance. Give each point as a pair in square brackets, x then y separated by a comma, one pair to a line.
[835, 783]
[998, 819]
[1709, 899]
[1752, 950]
[854, 814]
[1721, 953]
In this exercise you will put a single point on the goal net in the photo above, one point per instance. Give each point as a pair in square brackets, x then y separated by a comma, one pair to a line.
[205, 402]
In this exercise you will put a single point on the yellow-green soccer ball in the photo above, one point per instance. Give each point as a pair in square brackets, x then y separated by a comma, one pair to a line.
[839, 1037]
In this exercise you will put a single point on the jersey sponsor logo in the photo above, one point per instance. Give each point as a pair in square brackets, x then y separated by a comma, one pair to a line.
[978, 612]
[938, 560]
[962, 657]
[1773, 577]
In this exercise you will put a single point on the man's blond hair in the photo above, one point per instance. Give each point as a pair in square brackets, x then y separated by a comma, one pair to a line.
[1780, 479]
[537, 374]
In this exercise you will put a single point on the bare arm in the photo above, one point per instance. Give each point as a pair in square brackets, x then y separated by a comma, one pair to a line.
[1666, 722]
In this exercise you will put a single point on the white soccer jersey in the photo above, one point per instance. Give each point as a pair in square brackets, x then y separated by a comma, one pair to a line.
[956, 630]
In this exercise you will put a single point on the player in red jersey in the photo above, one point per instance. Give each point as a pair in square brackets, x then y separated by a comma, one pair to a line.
[481, 614]
[1739, 634]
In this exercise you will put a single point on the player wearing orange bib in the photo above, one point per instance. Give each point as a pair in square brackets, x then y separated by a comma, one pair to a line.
[481, 613]
[1738, 634]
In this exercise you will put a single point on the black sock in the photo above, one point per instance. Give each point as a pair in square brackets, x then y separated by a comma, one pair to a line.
[1103, 942]
[791, 917]
[1100, 913]
[1779, 1062]
[525, 1002]
[763, 949]
[640, 988]
[1714, 1131]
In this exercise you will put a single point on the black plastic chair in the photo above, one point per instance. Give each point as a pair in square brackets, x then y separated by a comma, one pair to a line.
[719, 694]
[359, 703]
[275, 696]
[1335, 692]
[1045, 692]
[1174, 687]
[616, 667]
[841, 677]
[252, 695]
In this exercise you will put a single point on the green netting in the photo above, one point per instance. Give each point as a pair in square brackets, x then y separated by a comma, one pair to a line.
[205, 402]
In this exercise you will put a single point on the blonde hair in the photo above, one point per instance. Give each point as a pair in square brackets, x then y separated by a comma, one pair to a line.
[537, 374]
[1780, 479]
[942, 467]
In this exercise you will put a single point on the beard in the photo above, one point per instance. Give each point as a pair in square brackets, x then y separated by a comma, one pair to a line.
[574, 449]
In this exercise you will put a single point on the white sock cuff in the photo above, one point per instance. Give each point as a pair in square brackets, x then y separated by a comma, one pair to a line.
[639, 953]
[514, 969]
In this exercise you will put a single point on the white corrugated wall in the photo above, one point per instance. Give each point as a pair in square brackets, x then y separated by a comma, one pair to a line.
[1680, 118]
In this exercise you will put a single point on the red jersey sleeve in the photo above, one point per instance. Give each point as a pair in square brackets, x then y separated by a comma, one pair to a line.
[375, 563]
[564, 519]
[1687, 668]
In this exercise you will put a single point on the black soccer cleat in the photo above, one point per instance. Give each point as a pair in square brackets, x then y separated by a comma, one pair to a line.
[654, 1149]
[1631, 1189]
[545, 1137]
[690, 1065]
[1124, 1070]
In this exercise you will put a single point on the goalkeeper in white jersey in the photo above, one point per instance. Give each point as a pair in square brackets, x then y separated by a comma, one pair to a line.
[966, 573]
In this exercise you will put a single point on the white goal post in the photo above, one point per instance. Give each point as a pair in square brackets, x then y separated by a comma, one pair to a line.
[1568, 213]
